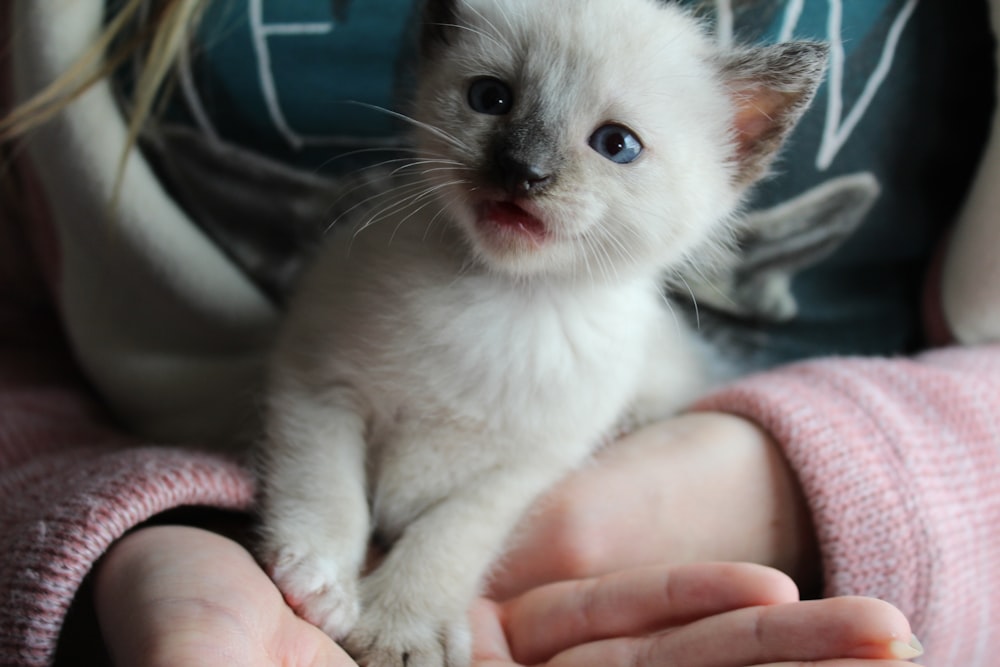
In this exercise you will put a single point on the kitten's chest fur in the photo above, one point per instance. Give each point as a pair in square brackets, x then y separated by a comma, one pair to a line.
[462, 370]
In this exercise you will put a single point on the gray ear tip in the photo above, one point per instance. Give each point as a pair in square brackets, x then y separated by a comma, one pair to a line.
[810, 57]
[784, 66]
[819, 52]
[806, 48]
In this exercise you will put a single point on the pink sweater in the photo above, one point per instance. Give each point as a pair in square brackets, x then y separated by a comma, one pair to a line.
[899, 460]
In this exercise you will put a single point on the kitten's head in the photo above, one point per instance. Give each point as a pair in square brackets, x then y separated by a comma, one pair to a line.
[595, 137]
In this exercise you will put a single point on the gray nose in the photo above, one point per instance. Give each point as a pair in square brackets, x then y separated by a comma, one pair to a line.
[522, 179]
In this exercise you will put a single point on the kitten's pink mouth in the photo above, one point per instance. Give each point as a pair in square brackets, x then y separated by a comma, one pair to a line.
[508, 218]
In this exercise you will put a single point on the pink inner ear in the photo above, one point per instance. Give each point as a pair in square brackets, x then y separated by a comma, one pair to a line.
[761, 115]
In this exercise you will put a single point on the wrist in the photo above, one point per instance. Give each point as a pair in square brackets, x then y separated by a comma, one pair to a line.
[746, 501]
[793, 545]
[694, 488]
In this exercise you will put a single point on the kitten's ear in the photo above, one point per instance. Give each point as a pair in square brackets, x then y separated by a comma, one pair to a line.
[438, 20]
[772, 87]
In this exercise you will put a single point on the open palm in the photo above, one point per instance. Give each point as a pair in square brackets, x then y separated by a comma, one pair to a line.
[172, 595]
[706, 615]
[177, 596]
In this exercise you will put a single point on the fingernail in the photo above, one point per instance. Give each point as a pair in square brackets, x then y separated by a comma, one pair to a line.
[904, 651]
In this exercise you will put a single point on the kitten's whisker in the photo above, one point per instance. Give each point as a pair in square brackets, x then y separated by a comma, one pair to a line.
[437, 132]
[611, 269]
[478, 33]
[705, 280]
[412, 161]
[401, 148]
[345, 192]
[361, 183]
[460, 167]
[449, 166]
[623, 251]
[673, 313]
[500, 7]
[409, 163]
[377, 195]
[393, 206]
[694, 302]
[634, 234]
[437, 216]
[401, 204]
[603, 237]
[590, 254]
[435, 189]
[408, 217]
[499, 35]
[378, 190]
[368, 181]
[595, 253]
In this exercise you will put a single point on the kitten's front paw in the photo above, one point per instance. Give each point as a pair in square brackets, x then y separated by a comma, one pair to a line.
[317, 588]
[379, 640]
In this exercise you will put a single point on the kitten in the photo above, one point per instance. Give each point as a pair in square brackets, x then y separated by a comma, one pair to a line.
[499, 312]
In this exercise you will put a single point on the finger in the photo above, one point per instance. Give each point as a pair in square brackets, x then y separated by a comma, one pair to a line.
[862, 629]
[488, 640]
[849, 662]
[295, 642]
[550, 619]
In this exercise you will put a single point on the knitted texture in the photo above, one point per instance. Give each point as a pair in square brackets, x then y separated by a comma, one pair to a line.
[69, 487]
[900, 463]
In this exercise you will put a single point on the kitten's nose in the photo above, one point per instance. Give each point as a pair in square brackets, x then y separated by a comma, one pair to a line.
[522, 179]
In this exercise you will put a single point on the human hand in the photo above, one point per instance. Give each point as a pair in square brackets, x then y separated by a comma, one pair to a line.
[178, 596]
[182, 596]
[703, 615]
[697, 487]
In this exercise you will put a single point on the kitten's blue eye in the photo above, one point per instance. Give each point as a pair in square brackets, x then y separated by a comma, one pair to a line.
[491, 96]
[617, 143]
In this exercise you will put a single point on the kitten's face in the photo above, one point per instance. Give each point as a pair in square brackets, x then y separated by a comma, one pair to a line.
[587, 137]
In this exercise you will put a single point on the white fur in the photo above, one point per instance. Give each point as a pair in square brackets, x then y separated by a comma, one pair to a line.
[434, 378]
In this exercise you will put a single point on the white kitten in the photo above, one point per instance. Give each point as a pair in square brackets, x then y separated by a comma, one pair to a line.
[499, 311]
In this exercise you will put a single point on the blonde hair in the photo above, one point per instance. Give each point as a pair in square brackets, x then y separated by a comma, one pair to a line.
[157, 36]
